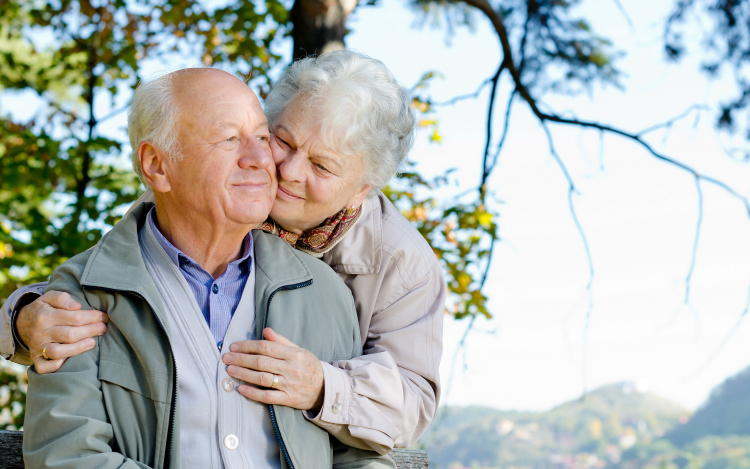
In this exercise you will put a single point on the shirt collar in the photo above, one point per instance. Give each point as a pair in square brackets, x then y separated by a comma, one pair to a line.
[175, 254]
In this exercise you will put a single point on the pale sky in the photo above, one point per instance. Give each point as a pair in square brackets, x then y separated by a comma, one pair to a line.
[639, 215]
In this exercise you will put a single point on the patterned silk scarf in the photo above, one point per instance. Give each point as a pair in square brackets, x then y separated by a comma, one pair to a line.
[318, 240]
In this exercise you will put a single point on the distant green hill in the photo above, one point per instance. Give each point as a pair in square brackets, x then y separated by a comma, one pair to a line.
[727, 412]
[615, 427]
[581, 433]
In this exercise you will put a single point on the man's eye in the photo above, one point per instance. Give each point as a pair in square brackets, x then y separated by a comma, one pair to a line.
[263, 138]
[321, 167]
[232, 138]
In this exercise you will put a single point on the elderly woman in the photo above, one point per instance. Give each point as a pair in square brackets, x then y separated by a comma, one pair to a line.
[341, 127]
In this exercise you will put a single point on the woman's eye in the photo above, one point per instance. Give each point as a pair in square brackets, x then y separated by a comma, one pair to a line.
[321, 167]
[281, 141]
[232, 138]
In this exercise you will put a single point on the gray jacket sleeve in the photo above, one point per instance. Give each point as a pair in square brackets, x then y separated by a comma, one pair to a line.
[66, 422]
[10, 348]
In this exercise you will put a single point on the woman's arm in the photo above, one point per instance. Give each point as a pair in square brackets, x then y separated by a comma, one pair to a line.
[30, 322]
[388, 397]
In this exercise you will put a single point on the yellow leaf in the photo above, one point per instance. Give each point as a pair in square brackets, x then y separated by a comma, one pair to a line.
[436, 137]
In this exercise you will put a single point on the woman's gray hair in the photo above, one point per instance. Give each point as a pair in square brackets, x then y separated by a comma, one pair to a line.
[362, 108]
[152, 118]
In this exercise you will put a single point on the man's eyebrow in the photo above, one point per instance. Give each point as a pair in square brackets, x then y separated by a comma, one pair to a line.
[223, 125]
[262, 125]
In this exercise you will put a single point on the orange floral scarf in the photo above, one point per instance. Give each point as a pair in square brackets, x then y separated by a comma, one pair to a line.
[322, 239]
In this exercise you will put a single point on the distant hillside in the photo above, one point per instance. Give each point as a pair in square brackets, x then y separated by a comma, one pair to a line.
[727, 412]
[578, 434]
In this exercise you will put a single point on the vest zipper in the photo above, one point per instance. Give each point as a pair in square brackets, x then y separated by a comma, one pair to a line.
[270, 406]
[168, 452]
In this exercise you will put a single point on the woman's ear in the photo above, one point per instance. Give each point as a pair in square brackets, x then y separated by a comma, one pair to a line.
[154, 167]
[360, 196]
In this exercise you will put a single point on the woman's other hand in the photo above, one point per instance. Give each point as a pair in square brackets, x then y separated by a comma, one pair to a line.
[299, 372]
[57, 322]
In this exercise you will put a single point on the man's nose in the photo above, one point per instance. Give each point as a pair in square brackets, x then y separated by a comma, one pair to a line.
[256, 155]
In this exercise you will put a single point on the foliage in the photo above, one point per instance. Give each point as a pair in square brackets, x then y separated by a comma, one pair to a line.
[724, 47]
[65, 177]
[13, 383]
[461, 236]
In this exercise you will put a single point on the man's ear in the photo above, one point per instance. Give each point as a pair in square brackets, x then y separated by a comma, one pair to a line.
[360, 196]
[155, 167]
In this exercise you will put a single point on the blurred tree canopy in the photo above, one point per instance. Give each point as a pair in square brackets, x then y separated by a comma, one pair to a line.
[65, 176]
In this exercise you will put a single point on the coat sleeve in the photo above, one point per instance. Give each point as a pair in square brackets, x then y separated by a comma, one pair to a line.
[66, 422]
[388, 397]
[10, 348]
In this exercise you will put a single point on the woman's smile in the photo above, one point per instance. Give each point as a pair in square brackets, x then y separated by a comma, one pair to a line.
[285, 194]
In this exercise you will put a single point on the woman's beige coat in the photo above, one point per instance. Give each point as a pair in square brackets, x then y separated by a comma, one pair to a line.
[389, 396]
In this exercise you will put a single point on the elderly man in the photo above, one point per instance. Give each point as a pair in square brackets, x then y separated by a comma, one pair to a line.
[180, 281]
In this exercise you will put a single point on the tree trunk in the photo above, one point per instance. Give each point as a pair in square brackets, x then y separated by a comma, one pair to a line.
[319, 25]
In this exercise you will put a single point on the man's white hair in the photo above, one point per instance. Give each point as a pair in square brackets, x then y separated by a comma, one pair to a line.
[152, 118]
[363, 110]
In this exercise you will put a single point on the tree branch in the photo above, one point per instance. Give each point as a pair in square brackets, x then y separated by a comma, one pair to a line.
[670, 122]
[463, 97]
[698, 225]
[502, 34]
[571, 206]
[625, 15]
[485, 173]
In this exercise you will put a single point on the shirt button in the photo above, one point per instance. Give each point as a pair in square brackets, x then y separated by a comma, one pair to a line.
[231, 441]
[227, 384]
[215, 289]
[336, 408]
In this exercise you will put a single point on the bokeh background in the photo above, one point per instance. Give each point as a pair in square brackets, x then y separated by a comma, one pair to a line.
[589, 201]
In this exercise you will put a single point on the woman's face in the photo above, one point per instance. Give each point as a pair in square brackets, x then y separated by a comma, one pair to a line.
[314, 181]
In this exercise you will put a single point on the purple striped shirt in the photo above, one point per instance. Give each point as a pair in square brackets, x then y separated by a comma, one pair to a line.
[217, 298]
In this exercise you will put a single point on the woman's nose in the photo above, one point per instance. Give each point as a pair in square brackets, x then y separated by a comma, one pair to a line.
[290, 167]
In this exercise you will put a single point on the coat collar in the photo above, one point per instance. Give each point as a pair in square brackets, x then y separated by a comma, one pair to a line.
[116, 262]
[360, 251]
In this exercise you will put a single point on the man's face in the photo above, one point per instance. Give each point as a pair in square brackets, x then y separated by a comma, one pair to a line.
[227, 174]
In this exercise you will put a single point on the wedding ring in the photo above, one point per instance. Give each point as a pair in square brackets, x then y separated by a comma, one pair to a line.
[44, 354]
[275, 383]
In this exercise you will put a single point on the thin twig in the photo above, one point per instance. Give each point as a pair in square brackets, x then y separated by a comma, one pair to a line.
[571, 191]
[112, 114]
[502, 137]
[461, 345]
[495, 79]
[463, 97]
[698, 225]
[670, 122]
[625, 15]
[731, 333]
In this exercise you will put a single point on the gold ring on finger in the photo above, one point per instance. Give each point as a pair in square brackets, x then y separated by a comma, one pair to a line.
[275, 383]
[44, 353]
